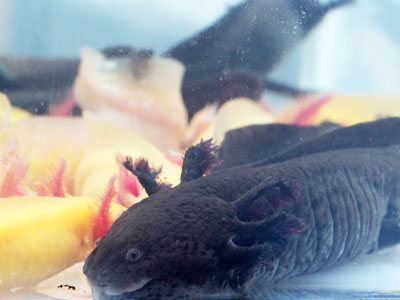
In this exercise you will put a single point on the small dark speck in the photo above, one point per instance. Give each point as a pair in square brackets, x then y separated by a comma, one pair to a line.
[70, 287]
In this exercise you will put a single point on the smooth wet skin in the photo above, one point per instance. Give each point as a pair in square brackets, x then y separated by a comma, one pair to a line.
[242, 228]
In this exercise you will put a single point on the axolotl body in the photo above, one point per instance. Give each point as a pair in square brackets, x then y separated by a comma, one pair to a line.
[317, 204]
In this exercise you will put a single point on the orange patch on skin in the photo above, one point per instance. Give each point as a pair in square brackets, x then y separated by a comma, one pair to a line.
[266, 106]
[175, 157]
[305, 115]
[65, 107]
[127, 183]
[14, 170]
[41, 189]
[54, 185]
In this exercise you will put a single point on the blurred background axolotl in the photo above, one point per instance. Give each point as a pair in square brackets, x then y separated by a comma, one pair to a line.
[55, 200]
[231, 58]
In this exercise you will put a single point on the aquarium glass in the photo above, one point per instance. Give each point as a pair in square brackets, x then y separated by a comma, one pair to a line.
[213, 149]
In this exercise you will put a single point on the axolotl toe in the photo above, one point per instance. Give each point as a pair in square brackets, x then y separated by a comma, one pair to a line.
[311, 207]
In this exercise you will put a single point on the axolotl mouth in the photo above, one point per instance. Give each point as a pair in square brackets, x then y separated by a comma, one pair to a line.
[100, 292]
[155, 289]
[163, 257]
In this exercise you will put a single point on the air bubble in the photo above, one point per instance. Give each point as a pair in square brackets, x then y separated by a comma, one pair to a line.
[86, 239]
[109, 65]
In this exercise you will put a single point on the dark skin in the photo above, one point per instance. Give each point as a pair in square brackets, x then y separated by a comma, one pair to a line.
[234, 56]
[259, 223]
[255, 142]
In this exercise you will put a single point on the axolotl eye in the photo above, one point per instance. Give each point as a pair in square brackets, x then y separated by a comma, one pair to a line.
[133, 255]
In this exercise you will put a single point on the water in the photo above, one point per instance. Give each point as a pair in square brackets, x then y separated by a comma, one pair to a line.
[350, 63]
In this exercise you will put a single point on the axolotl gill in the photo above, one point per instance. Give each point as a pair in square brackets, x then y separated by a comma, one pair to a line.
[316, 204]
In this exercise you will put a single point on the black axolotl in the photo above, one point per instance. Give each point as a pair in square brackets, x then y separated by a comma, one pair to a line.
[319, 203]
[234, 56]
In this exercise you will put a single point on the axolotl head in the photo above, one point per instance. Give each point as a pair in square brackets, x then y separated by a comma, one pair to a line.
[166, 245]
[181, 243]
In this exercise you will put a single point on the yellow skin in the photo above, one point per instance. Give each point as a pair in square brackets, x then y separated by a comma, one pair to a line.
[5, 111]
[212, 123]
[238, 113]
[10, 113]
[349, 110]
[45, 139]
[91, 177]
[41, 236]
[343, 109]
[103, 144]
[18, 114]
[142, 102]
